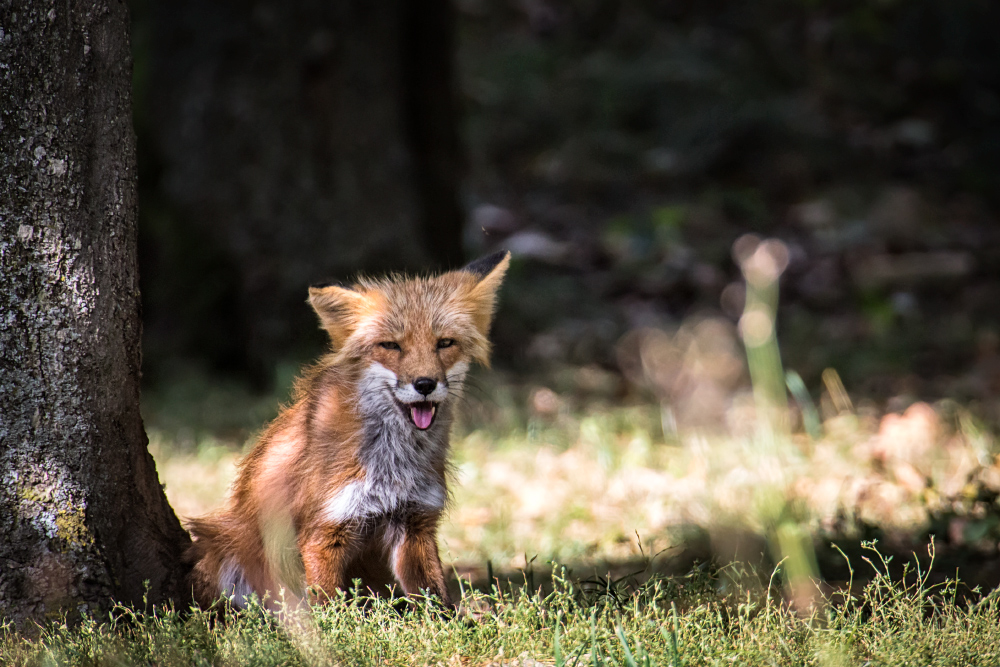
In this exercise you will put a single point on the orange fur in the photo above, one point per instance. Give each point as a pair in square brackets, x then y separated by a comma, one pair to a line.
[349, 480]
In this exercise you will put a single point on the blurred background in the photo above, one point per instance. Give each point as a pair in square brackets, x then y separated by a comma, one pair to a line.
[755, 299]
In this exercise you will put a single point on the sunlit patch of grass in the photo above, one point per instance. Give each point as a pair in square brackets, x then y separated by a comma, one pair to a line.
[517, 493]
[196, 480]
[687, 620]
[583, 486]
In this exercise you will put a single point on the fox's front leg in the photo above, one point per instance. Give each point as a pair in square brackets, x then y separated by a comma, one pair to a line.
[415, 559]
[326, 553]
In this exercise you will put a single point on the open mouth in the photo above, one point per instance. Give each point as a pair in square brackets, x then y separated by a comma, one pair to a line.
[422, 414]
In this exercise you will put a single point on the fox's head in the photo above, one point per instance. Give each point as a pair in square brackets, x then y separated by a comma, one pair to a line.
[413, 338]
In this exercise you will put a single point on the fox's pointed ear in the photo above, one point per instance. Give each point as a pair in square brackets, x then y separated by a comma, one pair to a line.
[483, 266]
[338, 309]
[489, 272]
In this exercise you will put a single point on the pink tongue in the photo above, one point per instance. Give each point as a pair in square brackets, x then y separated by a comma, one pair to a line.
[423, 414]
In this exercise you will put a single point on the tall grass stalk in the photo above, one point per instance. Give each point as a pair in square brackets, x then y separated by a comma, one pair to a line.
[762, 268]
[762, 264]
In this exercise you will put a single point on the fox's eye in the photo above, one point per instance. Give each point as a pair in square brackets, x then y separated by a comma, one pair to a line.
[445, 342]
[389, 345]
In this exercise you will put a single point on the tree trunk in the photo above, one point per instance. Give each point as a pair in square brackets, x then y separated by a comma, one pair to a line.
[428, 52]
[83, 518]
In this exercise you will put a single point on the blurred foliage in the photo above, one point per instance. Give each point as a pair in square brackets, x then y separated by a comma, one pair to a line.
[620, 148]
[610, 92]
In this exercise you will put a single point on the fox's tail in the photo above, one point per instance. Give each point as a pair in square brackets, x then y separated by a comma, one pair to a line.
[215, 570]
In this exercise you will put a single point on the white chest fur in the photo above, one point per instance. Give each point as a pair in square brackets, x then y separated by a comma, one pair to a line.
[401, 465]
[367, 498]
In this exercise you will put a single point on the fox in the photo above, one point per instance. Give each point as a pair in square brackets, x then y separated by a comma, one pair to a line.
[349, 481]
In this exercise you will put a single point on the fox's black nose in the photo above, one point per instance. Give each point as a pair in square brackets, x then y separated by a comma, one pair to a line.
[425, 385]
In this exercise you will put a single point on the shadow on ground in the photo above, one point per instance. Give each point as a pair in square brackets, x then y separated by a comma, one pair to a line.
[744, 556]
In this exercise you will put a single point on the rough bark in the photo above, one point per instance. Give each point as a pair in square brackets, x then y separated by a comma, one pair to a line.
[304, 141]
[83, 519]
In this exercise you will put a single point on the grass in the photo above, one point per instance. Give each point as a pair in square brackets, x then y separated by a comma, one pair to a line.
[703, 618]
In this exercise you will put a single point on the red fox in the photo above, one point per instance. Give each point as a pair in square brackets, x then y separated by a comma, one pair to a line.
[349, 482]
